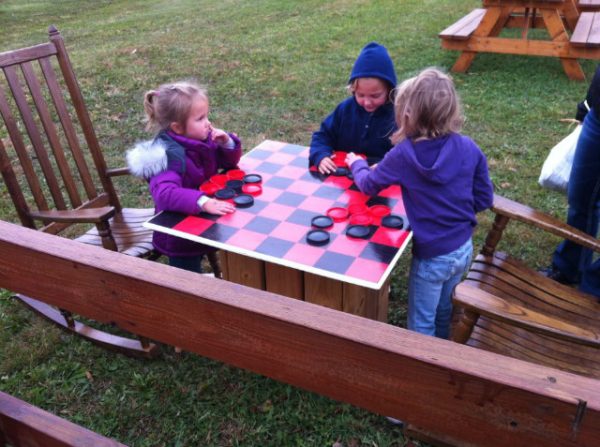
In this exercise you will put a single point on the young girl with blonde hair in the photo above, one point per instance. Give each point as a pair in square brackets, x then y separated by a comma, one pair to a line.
[186, 151]
[445, 182]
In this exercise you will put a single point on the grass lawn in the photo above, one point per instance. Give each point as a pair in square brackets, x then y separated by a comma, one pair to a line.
[274, 69]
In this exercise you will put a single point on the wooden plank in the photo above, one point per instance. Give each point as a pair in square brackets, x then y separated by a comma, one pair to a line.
[323, 291]
[284, 280]
[472, 396]
[22, 424]
[245, 270]
[463, 28]
[9, 58]
[68, 128]
[35, 137]
[361, 301]
[51, 134]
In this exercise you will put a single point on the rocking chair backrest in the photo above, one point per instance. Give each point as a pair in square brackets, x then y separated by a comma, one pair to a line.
[50, 158]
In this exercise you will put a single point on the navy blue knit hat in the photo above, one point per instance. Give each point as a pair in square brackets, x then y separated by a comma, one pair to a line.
[374, 62]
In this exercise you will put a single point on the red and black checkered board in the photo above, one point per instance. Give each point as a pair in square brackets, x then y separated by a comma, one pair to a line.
[274, 228]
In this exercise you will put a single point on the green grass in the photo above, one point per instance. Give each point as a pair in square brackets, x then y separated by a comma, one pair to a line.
[274, 69]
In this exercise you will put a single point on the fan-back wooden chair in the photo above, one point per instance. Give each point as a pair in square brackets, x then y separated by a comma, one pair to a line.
[55, 172]
[506, 307]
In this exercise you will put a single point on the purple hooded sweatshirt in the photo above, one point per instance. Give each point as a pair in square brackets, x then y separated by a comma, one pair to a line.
[444, 181]
[175, 167]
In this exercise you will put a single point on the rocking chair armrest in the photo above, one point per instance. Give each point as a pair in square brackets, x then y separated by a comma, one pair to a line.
[482, 302]
[117, 171]
[83, 215]
[523, 213]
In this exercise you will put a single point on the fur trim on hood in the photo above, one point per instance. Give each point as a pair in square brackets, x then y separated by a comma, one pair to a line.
[148, 158]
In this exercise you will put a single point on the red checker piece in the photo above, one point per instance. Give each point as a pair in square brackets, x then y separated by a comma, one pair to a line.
[379, 210]
[209, 188]
[235, 174]
[254, 189]
[339, 158]
[357, 208]
[338, 214]
[219, 179]
[360, 219]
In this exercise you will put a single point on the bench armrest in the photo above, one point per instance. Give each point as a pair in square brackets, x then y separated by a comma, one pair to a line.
[85, 215]
[117, 171]
[484, 303]
[523, 213]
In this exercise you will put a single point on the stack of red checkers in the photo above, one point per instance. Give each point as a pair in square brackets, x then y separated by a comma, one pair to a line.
[357, 208]
[235, 174]
[338, 214]
[209, 188]
[361, 219]
[219, 180]
[339, 158]
[379, 210]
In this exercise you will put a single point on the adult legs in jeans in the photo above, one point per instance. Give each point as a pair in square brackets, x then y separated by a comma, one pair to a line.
[190, 263]
[430, 287]
[583, 194]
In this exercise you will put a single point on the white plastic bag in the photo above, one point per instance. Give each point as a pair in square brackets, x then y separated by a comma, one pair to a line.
[557, 167]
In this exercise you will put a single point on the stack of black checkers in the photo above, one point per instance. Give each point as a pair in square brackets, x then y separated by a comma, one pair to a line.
[235, 190]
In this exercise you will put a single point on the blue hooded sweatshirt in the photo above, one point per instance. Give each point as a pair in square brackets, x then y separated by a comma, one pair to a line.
[444, 181]
[350, 128]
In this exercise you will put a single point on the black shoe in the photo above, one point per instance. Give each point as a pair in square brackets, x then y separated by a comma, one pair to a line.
[556, 275]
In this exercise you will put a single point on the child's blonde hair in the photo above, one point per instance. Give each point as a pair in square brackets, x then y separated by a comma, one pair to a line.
[171, 103]
[427, 106]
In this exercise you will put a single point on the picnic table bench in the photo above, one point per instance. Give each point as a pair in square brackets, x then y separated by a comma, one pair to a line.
[573, 30]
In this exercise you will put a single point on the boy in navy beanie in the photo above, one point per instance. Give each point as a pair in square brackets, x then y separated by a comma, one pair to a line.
[363, 122]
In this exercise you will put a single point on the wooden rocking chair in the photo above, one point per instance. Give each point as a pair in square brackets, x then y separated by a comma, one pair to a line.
[508, 308]
[56, 174]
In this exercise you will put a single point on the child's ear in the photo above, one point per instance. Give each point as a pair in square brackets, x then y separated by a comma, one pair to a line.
[177, 128]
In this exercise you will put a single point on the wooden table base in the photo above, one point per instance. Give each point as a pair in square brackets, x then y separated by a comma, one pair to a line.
[335, 294]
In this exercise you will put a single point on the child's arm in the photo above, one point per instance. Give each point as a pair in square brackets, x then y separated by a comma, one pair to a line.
[169, 194]
[371, 180]
[229, 157]
[323, 144]
[483, 189]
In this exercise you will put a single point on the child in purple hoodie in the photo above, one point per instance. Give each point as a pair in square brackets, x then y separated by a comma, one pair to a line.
[445, 182]
[186, 151]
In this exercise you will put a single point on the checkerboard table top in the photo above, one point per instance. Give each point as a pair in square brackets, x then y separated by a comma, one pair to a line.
[274, 228]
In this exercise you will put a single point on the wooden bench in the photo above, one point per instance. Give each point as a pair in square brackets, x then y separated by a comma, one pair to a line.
[588, 5]
[587, 30]
[463, 395]
[511, 309]
[24, 425]
[464, 27]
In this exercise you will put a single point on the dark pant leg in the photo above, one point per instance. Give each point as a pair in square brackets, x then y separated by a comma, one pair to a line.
[583, 198]
[190, 263]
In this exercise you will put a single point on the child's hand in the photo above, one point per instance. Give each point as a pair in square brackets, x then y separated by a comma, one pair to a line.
[351, 158]
[327, 166]
[220, 136]
[218, 207]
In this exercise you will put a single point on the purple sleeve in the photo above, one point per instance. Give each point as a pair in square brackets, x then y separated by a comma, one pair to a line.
[229, 158]
[483, 189]
[169, 195]
[371, 181]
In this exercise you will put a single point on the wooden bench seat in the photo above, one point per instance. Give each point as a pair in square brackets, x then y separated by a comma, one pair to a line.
[530, 317]
[587, 30]
[22, 424]
[588, 5]
[506, 307]
[464, 27]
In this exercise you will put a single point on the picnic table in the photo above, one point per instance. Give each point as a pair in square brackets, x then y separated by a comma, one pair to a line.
[265, 245]
[573, 29]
